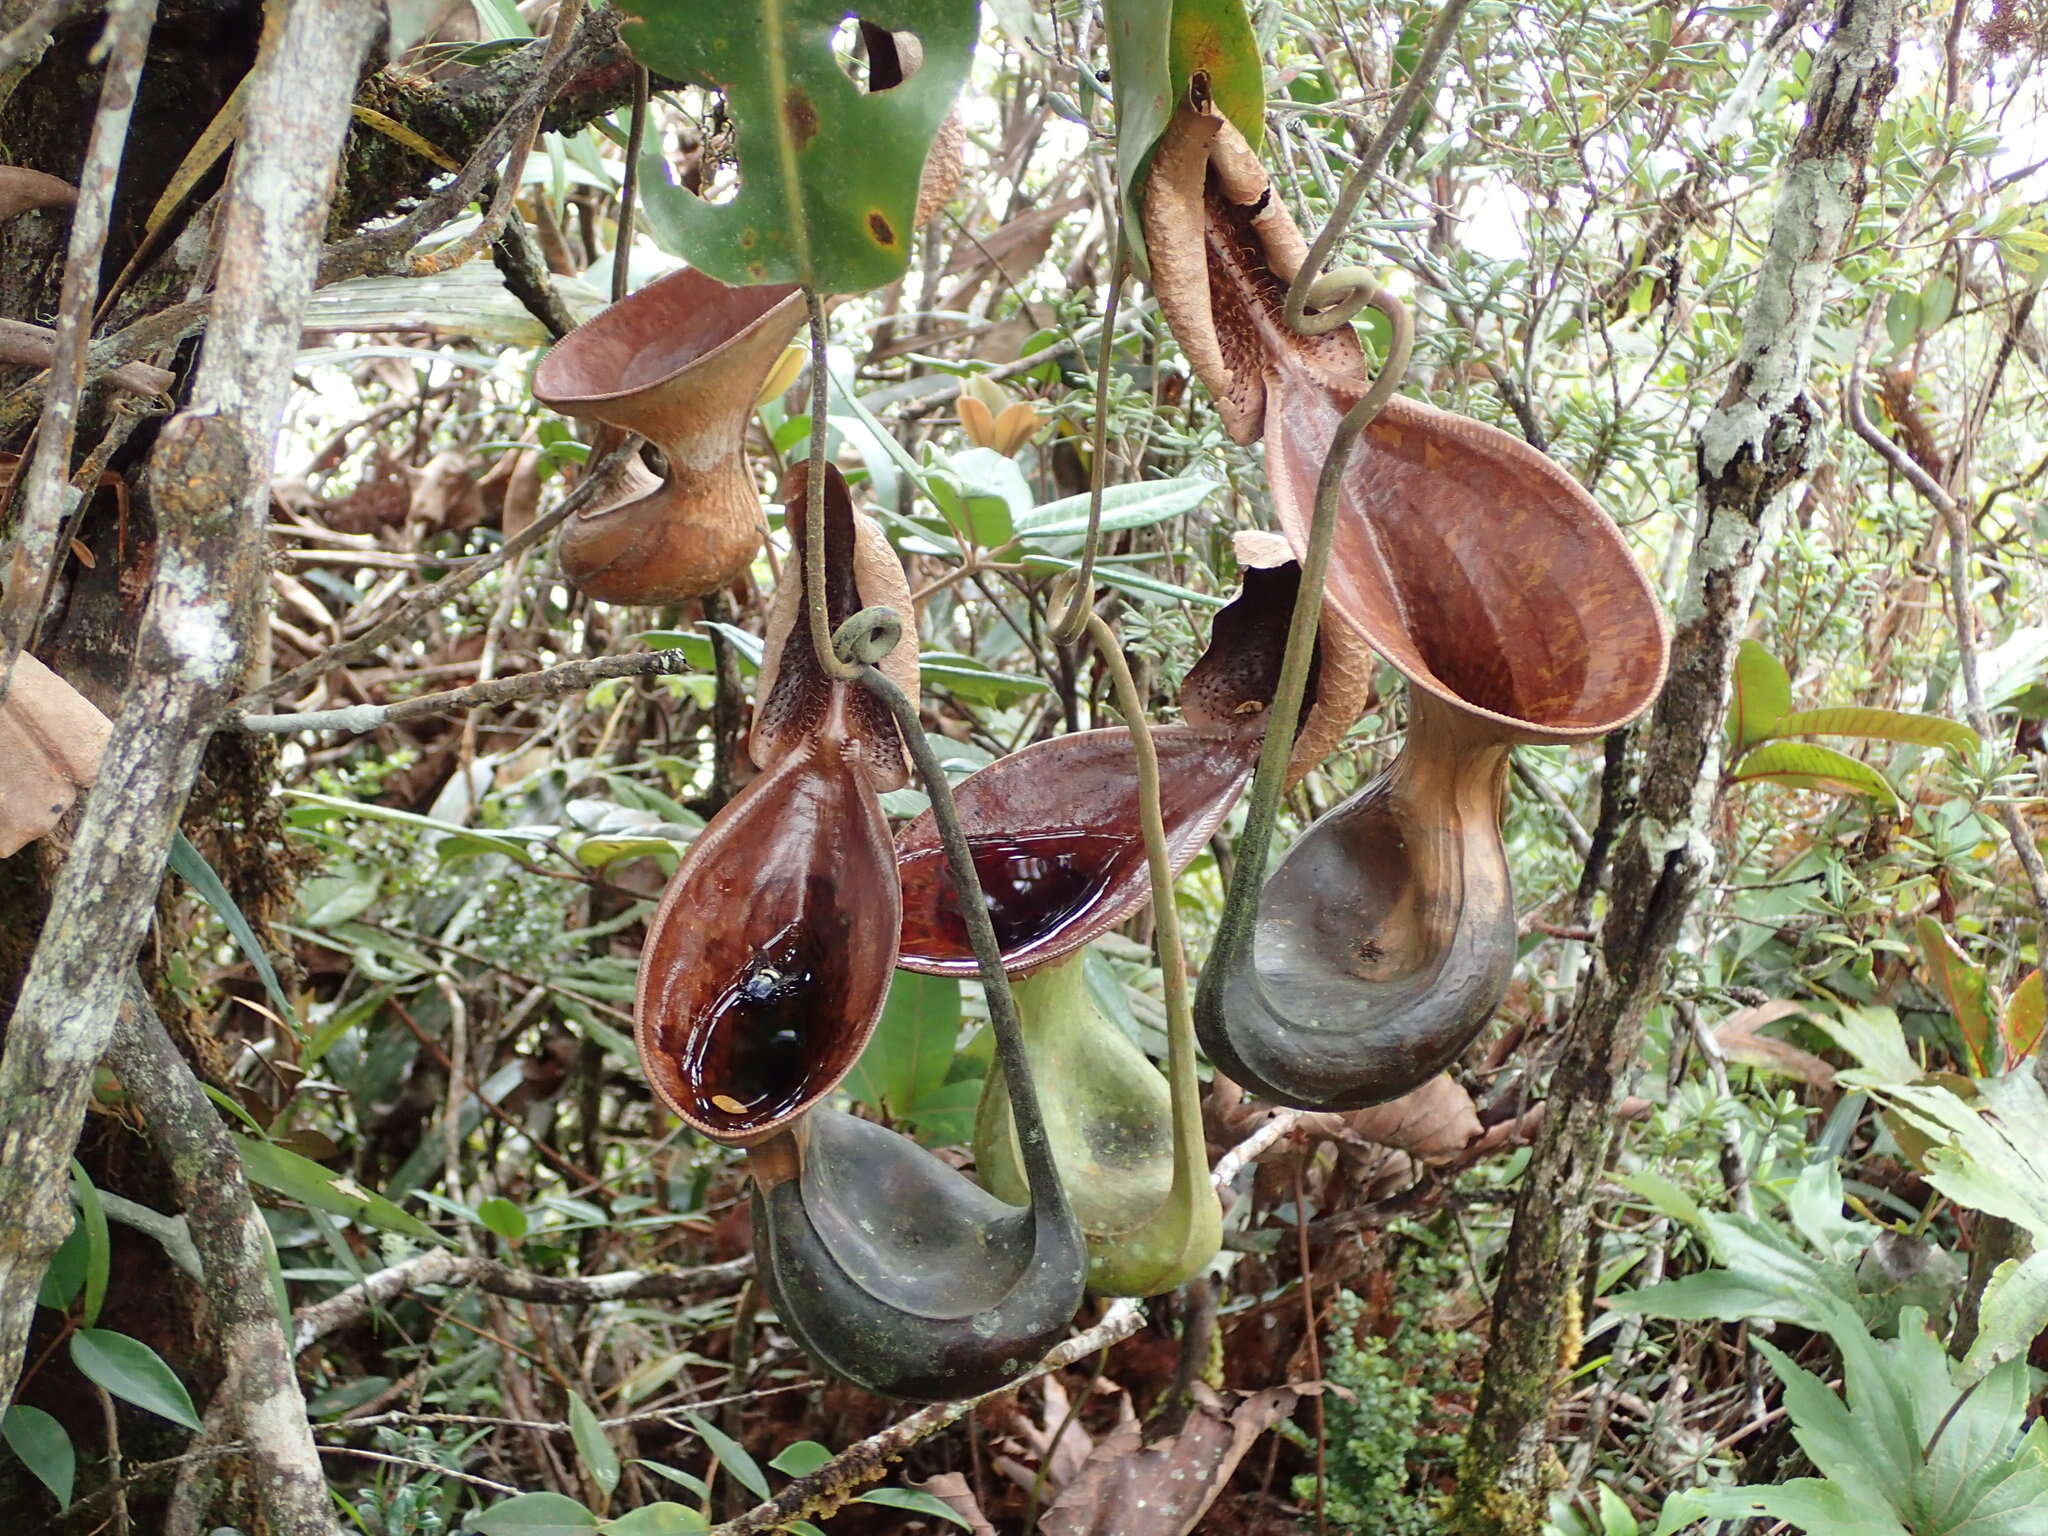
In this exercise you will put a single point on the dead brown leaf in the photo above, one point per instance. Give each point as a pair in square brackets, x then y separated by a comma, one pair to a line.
[1164, 1489]
[1739, 1041]
[50, 745]
[950, 1489]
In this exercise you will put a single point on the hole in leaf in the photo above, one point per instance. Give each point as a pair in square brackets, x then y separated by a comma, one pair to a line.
[873, 57]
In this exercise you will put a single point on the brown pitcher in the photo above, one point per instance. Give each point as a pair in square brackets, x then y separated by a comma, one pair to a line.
[1480, 570]
[681, 362]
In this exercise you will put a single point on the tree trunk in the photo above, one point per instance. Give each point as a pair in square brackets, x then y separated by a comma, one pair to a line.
[1761, 437]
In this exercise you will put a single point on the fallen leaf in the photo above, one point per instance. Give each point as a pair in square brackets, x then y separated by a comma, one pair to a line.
[1433, 1124]
[1164, 1489]
[1739, 1041]
[51, 739]
[950, 1489]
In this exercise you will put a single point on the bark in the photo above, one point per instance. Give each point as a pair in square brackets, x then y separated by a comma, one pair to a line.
[259, 1389]
[208, 483]
[1760, 438]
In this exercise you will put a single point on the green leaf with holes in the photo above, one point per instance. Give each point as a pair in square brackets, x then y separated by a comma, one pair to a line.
[1155, 48]
[1801, 765]
[828, 170]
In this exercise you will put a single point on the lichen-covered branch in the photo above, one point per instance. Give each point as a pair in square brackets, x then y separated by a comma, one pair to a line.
[259, 1386]
[208, 482]
[1757, 440]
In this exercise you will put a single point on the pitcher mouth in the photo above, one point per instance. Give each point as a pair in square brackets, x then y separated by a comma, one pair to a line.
[676, 323]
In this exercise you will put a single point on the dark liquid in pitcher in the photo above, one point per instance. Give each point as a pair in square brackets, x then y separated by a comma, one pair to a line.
[753, 1050]
[1033, 886]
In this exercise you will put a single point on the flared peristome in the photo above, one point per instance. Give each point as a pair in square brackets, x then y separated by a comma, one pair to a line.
[680, 362]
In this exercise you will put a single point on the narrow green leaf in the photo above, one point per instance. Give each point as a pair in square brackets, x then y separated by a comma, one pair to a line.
[133, 1372]
[1882, 724]
[44, 1447]
[190, 865]
[828, 171]
[1762, 695]
[1141, 81]
[1801, 765]
[306, 1181]
[599, 1457]
[92, 1221]
[967, 679]
[535, 1514]
[65, 1277]
[1139, 504]
[731, 1455]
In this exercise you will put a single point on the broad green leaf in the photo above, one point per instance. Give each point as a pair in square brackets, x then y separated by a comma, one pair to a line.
[2021, 1024]
[731, 1455]
[801, 1459]
[663, 1519]
[305, 1181]
[44, 1447]
[1763, 694]
[828, 171]
[905, 1062]
[1138, 504]
[503, 1217]
[1963, 986]
[190, 865]
[133, 1372]
[65, 1277]
[945, 1116]
[1616, 1519]
[1801, 765]
[1873, 1037]
[1214, 37]
[92, 1221]
[535, 1514]
[2011, 1313]
[592, 1445]
[982, 494]
[1141, 80]
[914, 1500]
[1880, 724]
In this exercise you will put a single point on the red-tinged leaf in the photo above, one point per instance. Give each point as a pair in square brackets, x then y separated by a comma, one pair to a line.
[1883, 724]
[2020, 1026]
[1801, 765]
[1963, 986]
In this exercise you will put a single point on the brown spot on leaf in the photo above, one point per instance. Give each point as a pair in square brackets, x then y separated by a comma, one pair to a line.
[883, 231]
[801, 116]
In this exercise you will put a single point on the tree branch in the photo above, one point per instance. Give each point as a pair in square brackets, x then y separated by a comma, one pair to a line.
[259, 1385]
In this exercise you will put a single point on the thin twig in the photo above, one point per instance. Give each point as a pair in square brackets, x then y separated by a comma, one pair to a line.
[1957, 523]
[1069, 622]
[424, 602]
[548, 683]
[46, 491]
